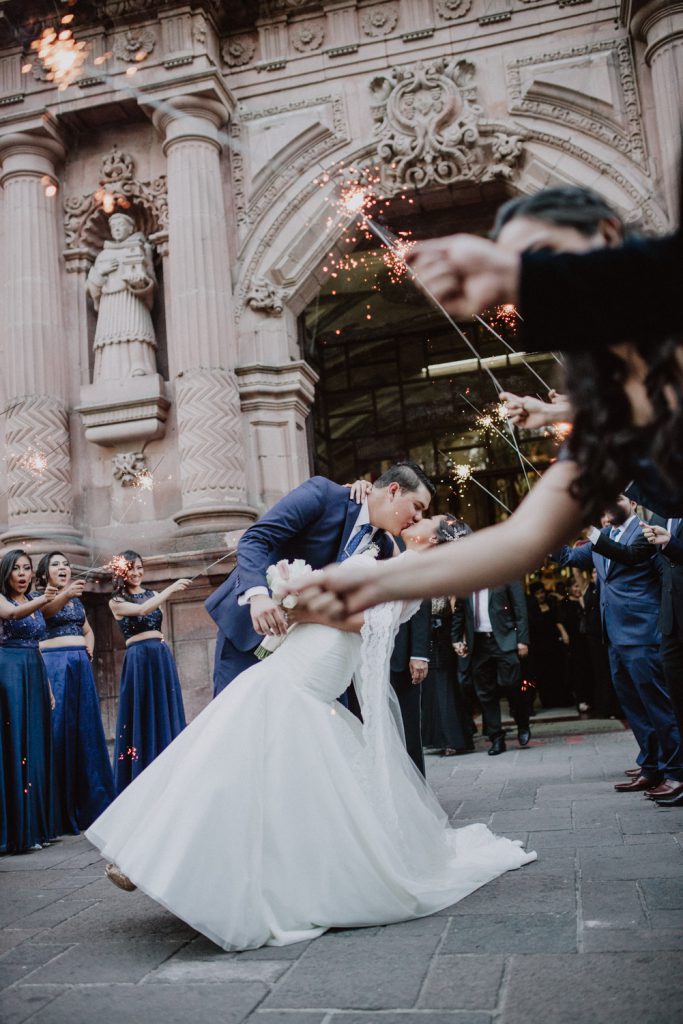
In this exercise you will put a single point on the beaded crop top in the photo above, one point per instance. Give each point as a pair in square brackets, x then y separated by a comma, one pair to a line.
[131, 625]
[68, 621]
[26, 632]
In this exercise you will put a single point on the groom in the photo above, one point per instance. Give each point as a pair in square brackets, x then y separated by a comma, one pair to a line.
[319, 522]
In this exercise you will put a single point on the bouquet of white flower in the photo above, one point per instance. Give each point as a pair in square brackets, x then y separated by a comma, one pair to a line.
[277, 576]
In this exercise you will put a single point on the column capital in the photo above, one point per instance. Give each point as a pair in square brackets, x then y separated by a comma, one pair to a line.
[658, 23]
[23, 153]
[191, 117]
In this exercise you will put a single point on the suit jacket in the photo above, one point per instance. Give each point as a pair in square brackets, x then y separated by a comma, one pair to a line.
[630, 594]
[313, 522]
[413, 639]
[605, 291]
[507, 612]
[669, 563]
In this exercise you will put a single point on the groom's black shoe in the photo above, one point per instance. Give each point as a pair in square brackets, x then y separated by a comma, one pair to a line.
[523, 736]
[497, 746]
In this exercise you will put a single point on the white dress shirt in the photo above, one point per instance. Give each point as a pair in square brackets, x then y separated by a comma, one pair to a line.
[482, 622]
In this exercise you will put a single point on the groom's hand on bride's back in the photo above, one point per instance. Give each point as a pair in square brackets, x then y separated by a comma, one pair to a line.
[267, 618]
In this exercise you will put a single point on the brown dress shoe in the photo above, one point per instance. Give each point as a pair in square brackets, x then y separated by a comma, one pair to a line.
[117, 876]
[667, 788]
[640, 783]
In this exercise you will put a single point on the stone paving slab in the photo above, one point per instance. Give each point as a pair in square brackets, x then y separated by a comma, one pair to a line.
[591, 932]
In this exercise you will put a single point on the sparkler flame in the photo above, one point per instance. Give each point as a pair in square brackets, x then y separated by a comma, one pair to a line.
[34, 460]
[117, 566]
[61, 56]
[144, 480]
[506, 314]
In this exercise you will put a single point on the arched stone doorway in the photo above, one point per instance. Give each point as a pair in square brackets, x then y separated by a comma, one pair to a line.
[396, 381]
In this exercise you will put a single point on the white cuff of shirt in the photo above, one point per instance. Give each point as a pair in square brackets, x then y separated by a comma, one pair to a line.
[246, 597]
[594, 534]
[415, 657]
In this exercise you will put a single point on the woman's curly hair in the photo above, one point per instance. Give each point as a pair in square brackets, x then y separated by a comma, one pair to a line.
[126, 560]
[604, 438]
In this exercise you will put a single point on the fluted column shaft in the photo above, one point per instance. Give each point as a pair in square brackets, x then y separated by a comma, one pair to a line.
[660, 25]
[40, 500]
[202, 343]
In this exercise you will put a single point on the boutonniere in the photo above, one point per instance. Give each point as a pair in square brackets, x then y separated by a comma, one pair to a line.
[371, 551]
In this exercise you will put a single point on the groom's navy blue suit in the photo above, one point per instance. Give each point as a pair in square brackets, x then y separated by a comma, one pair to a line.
[313, 522]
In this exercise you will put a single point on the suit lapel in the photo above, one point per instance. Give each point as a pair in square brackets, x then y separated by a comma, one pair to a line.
[626, 538]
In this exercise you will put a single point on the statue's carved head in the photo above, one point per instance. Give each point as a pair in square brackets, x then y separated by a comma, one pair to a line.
[121, 226]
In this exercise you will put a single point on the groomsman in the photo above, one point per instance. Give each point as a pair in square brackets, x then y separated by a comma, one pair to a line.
[494, 626]
[630, 608]
[668, 538]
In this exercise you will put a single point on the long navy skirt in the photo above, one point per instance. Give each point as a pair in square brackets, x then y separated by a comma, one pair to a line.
[151, 712]
[84, 781]
[26, 779]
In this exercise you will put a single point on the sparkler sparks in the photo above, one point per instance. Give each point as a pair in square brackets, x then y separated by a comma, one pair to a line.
[144, 480]
[34, 460]
[117, 566]
[60, 55]
[506, 314]
[560, 431]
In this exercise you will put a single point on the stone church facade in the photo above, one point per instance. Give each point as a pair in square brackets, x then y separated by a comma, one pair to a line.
[218, 130]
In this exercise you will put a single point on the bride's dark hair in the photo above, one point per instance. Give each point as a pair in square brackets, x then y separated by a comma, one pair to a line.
[604, 438]
[451, 528]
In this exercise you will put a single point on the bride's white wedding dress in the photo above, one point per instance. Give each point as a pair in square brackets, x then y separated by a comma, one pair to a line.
[276, 814]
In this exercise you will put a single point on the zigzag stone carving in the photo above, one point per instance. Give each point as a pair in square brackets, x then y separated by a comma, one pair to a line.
[38, 461]
[210, 438]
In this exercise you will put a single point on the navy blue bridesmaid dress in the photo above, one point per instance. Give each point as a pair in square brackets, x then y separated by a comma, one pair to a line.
[26, 779]
[84, 781]
[151, 712]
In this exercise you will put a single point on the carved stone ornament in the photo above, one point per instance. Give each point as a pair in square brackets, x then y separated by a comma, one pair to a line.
[430, 128]
[86, 216]
[238, 50]
[127, 466]
[380, 21]
[449, 10]
[131, 44]
[264, 297]
[307, 36]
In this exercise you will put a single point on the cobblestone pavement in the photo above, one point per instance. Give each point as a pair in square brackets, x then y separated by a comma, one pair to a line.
[591, 933]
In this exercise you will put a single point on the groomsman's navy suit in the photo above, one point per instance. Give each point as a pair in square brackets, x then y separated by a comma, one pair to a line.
[313, 522]
[630, 606]
[669, 562]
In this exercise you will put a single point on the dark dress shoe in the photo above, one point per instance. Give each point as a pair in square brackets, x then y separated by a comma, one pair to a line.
[667, 793]
[523, 737]
[497, 746]
[457, 751]
[639, 784]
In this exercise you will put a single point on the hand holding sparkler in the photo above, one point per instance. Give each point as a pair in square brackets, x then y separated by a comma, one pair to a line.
[465, 274]
[531, 413]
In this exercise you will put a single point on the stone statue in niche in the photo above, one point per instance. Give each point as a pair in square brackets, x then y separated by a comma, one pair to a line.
[121, 284]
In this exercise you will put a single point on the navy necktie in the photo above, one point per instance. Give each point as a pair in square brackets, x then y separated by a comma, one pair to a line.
[355, 541]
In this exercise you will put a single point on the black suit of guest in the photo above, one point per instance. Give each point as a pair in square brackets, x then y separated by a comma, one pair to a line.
[495, 661]
[412, 641]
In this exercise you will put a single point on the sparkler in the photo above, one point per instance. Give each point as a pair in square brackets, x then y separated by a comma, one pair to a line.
[34, 460]
[60, 55]
[485, 422]
[462, 474]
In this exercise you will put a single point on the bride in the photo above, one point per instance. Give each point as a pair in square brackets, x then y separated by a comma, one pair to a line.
[276, 814]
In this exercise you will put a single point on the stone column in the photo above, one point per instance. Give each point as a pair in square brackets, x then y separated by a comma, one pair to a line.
[660, 26]
[40, 500]
[202, 343]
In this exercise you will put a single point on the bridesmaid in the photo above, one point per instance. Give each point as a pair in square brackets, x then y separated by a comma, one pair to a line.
[151, 712]
[84, 782]
[26, 701]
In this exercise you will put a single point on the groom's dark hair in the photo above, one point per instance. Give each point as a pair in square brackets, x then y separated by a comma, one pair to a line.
[408, 475]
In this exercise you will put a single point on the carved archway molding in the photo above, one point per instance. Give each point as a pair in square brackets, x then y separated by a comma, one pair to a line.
[294, 269]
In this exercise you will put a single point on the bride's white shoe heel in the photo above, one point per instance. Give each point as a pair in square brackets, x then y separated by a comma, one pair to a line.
[117, 876]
